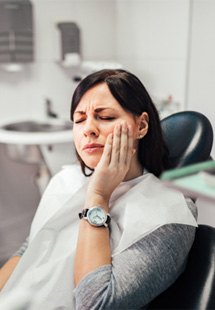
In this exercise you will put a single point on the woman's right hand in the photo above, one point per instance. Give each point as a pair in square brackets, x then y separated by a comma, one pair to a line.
[113, 165]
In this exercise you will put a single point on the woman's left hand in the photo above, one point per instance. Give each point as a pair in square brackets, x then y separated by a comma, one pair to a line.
[113, 165]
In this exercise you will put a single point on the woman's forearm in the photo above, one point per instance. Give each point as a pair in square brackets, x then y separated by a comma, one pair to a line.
[7, 270]
[93, 250]
[93, 246]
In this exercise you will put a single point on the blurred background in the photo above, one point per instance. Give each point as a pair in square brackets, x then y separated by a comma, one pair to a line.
[47, 46]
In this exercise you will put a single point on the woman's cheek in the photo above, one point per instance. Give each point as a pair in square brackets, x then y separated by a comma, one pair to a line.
[110, 128]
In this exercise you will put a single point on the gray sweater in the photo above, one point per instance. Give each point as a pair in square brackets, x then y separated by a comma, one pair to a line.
[138, 274]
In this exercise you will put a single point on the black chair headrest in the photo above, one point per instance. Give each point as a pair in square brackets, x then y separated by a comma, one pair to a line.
[189, 137]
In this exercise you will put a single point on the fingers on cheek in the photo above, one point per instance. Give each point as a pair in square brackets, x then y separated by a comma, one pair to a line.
[131, 150]
[130, 131]
[124, 135]
[110, 139]
[116, 138]
[117, 130]
[109, 144]
[130, 137]
[124, 143]
[125, 128]
[105, 159]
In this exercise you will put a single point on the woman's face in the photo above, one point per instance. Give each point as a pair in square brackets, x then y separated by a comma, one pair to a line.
[94, 119]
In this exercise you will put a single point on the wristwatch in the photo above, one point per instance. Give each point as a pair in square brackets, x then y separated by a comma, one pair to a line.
[96, 216]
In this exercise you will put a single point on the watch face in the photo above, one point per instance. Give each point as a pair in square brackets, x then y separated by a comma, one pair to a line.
[96, 216]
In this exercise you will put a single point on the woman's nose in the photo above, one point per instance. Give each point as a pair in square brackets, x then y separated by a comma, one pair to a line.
[91, 129]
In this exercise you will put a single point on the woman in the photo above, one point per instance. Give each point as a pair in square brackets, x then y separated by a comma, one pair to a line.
[134, 234]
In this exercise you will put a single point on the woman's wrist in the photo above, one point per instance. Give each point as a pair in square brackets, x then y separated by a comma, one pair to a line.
[96, 200]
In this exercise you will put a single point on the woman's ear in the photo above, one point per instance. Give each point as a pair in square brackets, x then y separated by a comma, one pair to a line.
[143, 126]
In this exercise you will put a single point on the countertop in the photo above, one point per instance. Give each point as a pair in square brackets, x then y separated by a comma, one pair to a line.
[35, 138]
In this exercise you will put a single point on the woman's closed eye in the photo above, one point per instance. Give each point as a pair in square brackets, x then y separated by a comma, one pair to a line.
[106, 118]
[79, 121]
[97, 117]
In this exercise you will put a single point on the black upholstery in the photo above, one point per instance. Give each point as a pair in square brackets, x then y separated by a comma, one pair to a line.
[195, 288]
[189, 137]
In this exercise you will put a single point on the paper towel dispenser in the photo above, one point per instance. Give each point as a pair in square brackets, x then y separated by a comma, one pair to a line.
[16, 31]
[70, 43]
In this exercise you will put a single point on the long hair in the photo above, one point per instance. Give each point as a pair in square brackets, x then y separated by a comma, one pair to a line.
[131, 94]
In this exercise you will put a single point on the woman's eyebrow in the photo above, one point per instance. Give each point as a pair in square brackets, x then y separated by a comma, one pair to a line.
[102, 109]
[96, 110]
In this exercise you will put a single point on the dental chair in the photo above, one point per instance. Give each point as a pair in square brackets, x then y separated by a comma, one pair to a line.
[189, 137]
[195, 288]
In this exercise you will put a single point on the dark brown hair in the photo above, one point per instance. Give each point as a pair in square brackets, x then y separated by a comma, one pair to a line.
[131, 94]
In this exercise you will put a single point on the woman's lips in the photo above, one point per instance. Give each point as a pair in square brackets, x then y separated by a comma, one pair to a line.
[93, 147]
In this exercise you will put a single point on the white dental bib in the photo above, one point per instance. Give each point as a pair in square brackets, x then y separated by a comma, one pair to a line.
[137, 208]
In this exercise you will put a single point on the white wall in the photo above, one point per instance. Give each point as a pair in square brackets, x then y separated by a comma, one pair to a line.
[152, 42]
[201, 83]
[22, 94]
[170, 45]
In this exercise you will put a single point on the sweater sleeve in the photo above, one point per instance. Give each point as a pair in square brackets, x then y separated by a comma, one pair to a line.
[140, 273]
